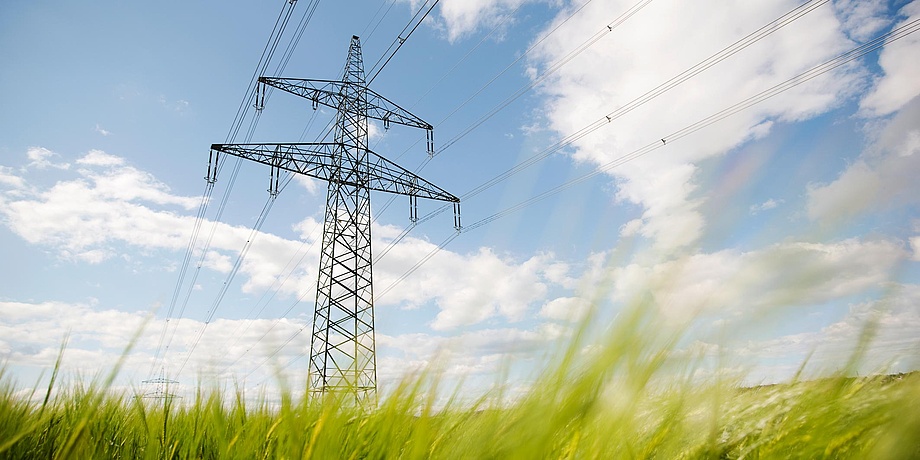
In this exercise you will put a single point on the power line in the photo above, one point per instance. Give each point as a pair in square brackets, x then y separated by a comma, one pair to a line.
[235, 125]
[497, 26]
[680, 78]
[696, 69]
[385, 13]
[202, 207]
[585, 45]
[264, 63]
[295, 40]
[814, 72]
[400, 40]
[267, 52]
[485, 37]
[343, 352]
[264, 60]
[298, 34]
[619, 20]
[226, 285]
[272, 290]
[673, 82]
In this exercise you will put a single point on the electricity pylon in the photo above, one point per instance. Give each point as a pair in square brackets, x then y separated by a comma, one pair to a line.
[161, 387]
[342, 356]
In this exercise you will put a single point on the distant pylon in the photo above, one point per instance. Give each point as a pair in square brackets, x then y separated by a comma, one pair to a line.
[342, 356]
[161, 387]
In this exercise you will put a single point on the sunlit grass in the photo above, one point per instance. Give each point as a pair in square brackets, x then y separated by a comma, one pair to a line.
[626, 396]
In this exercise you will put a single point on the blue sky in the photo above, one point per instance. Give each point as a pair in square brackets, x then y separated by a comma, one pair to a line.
[770, 234]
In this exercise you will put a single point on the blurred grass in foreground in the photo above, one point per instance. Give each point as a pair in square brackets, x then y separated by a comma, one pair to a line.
[631, 396]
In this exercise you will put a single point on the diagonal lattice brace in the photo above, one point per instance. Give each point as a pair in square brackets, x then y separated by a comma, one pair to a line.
[322, 161]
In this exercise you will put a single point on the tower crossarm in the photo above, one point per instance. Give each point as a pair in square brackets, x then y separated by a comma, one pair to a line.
[310, 159]
[318, 160]
[330, 94]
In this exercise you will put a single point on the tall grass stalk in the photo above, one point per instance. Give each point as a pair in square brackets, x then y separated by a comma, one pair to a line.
[629, 396]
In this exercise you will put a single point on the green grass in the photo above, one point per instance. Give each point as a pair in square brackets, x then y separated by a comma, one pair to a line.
[628, 397]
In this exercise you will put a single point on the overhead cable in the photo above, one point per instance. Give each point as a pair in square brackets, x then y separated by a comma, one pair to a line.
[821, 69]
[264, 60]
[400, 40]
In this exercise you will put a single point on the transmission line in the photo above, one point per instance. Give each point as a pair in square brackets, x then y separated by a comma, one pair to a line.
[298, 34]
[723, 54]
[814, 72]
[470, 52]
[397, 43]
[821, 69]
[400, 40]
[289, 51]
[673, 82]
[619, 20]
[271, 291]
[556, 66]
[264, 60]
[202, 207]
[367, 37]
[226, 285]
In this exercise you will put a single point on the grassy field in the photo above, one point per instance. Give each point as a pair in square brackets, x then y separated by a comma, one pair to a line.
[630, 397]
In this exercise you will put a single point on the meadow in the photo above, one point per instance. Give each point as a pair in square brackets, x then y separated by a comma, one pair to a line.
[629, 396]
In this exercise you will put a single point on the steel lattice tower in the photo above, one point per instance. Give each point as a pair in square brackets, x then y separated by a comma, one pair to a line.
[342, 356]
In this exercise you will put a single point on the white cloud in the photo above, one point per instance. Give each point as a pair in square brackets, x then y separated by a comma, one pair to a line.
[70, 218]
[101, 130]
[375, 132]
[482, 352]
[31, 328]
[882, 177]
[84, 217]
[217, 262]
[7, 177]
[237, 349]
[894, 322]
[100, 158]
[308, 183]
[631, 228]
[179, 106]
[111, 209]
[93, 256]
[128, 184]
[571, 309]
[782, 275]
[476, 344]
[468, 289]
[40, 158]
[661, 41]
[462, 17]
[862, 18]
[901, 80]
[765, 206]
[33, 332]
